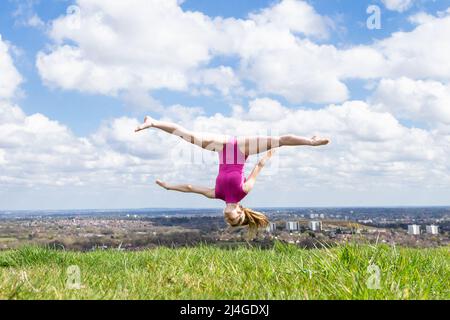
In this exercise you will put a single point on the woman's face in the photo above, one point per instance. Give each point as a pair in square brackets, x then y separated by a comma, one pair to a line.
[233, 214]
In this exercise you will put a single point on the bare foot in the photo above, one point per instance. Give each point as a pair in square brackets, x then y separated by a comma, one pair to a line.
[316, 141]
[162, 184]
[148, 122]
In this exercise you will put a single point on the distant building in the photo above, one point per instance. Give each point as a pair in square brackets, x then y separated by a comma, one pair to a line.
[315, 225]
[432, 229]
[292, 225]
[312, 215]
[271, 227]
[322, 216]
[414, 229]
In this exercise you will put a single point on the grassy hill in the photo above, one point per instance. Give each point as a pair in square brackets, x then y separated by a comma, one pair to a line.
[208, 272]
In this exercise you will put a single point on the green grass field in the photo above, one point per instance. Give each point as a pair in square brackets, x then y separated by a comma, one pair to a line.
[208, 272]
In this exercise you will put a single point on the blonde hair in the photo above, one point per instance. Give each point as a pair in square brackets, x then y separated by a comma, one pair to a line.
[253, 219]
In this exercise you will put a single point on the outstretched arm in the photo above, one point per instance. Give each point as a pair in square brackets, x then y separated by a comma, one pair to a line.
[248, 185]
[207, 192]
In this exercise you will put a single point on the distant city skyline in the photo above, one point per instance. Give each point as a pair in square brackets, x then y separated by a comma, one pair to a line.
[76, 77]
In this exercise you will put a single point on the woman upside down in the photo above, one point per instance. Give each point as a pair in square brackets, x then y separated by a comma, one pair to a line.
[231, 185]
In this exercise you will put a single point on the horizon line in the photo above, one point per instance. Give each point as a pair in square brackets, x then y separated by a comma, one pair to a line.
[220, 208]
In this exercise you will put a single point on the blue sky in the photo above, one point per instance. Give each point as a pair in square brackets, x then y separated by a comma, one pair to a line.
[81, 112]
[84, 112]
[88, 113]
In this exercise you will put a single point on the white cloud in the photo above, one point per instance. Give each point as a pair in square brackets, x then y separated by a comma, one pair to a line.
[222, 79]
[35, 21]
[149, 44]
[25, 15]
[296, 16]
[171, 48]
[138, 99]
[9, 76]
[420, 18]
[419, 100]
[369, 150]
[37, 151]
[275, 47]
[266, 110]
[298, 74]
[302, 70]
[421, 53]
[71, 70]
[398, 5]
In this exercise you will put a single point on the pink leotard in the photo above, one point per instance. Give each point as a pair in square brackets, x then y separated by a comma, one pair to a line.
[230, 180]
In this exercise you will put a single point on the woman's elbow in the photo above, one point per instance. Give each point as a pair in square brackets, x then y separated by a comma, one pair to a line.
[248, 185]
